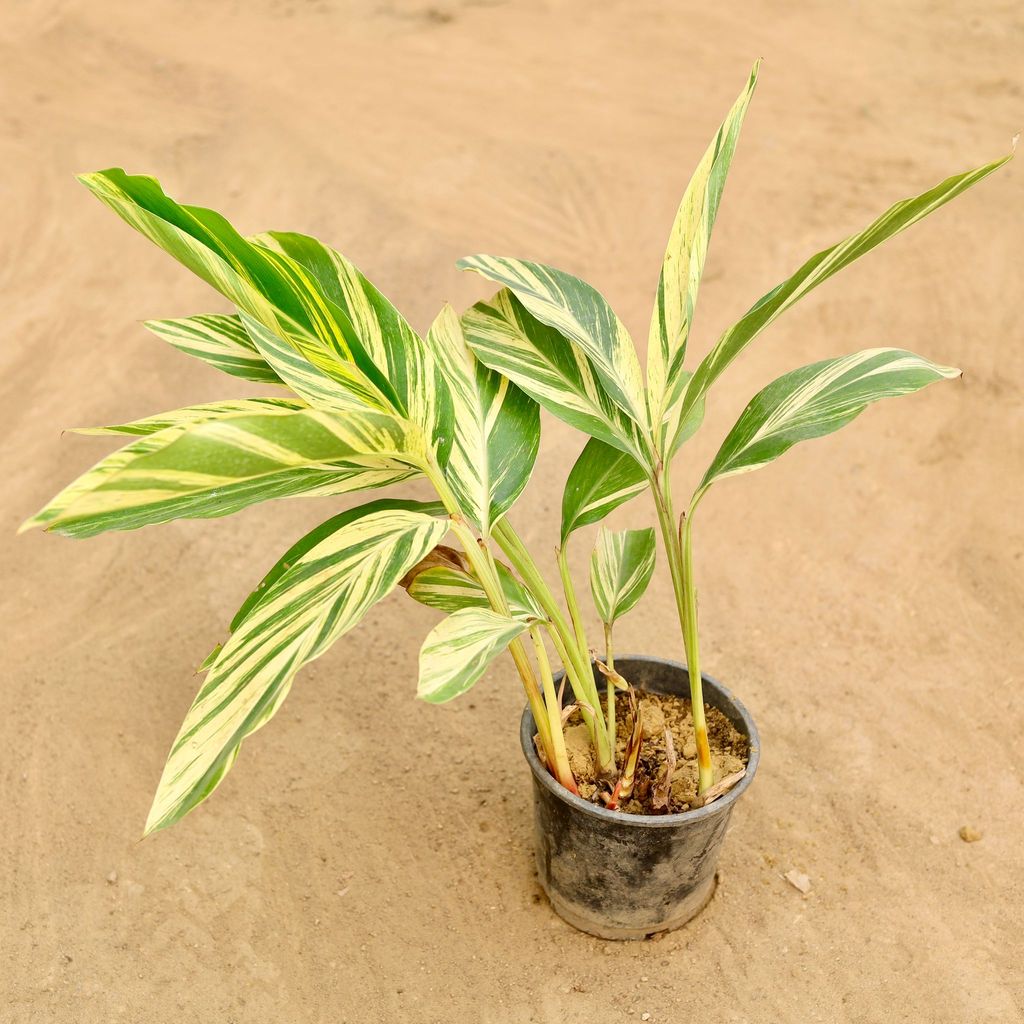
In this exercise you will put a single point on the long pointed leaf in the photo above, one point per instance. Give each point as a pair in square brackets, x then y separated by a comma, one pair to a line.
[218, 339]
[217, 466]
[195, 414]
[458, 650]
[684, 263]
[552, 370]
[580, 313]
[496, 427]
[820, 268]
[449, 588]
[315, 601]
[816, 400]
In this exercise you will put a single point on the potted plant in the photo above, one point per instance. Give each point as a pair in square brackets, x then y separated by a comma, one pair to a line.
[630, 811]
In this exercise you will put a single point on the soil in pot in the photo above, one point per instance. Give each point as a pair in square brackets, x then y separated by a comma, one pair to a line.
[729, 752]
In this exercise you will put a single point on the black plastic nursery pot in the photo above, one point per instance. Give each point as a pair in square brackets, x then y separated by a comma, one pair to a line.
[628, 876]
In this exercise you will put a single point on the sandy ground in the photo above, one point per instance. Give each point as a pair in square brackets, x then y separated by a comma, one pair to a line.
[864, 596]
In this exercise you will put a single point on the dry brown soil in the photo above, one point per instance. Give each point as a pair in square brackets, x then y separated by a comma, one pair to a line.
[863, 596]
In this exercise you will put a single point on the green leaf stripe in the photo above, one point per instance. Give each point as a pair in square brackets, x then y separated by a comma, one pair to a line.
[217, 339]
[816, 400]
[620, 569]
[458, 650]
[195, 414]
[317, 599]
[581, 314]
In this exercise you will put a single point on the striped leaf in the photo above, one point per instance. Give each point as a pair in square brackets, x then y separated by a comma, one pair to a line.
[496, 427]
[816, 400]
[449, 585]
[268, 285]
[603, 478]
[684, 264]
[580, 313]
[458, 650]
[549, 368]
[195, 414]
[820, 268]
[217, 339]
[620, 569]
[310, 541]
[317, 599]
[217, 466]
[393, 347]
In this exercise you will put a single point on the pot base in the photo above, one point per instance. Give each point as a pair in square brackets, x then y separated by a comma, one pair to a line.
[601, 929]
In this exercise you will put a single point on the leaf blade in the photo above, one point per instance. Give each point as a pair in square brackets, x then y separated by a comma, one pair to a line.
[315, 601]
[816, 400]
[459, 649]
[620, 570]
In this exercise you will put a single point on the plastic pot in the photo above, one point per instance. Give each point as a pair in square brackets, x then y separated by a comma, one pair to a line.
[628, 876]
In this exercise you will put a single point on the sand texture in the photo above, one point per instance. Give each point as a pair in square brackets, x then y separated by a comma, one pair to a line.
[863, 596]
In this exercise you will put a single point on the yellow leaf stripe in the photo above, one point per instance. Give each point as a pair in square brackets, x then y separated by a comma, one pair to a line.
[310, 605]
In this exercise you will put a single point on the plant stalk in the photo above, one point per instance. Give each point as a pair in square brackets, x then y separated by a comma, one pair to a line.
[560, 767]
[482, 563]
[679, 551]
[576, 662]
[609, 660]
[570, 598]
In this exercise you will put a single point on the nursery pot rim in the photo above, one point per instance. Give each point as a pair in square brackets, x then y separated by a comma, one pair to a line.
[527, 730]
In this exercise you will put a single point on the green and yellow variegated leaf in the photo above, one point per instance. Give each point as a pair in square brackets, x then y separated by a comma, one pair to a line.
[217, 466]
[818, 269]
[384, 334]
[458, 650]
[603, 478]
[580, 313]
[218, 339]
[496, 427]
[620, 570]
[310, 383]
[552, 370]
[310, 541]
[317, 599]
[269, 286]
[684, 264]
[195, 414]
[816, 400]
[449, 588]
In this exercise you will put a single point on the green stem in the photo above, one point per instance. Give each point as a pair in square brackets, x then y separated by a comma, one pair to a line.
[560, 767]
[576, 662]
[679, 551]
[570, 598]
[609, 659]
[482, 563]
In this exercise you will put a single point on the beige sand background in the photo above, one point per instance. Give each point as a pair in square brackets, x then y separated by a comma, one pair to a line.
[368, 858]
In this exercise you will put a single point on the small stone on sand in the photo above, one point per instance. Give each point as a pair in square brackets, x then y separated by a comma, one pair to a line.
[798, 880]
[969, 834]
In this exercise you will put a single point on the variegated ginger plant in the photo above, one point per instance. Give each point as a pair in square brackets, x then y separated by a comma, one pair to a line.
[369, 403]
